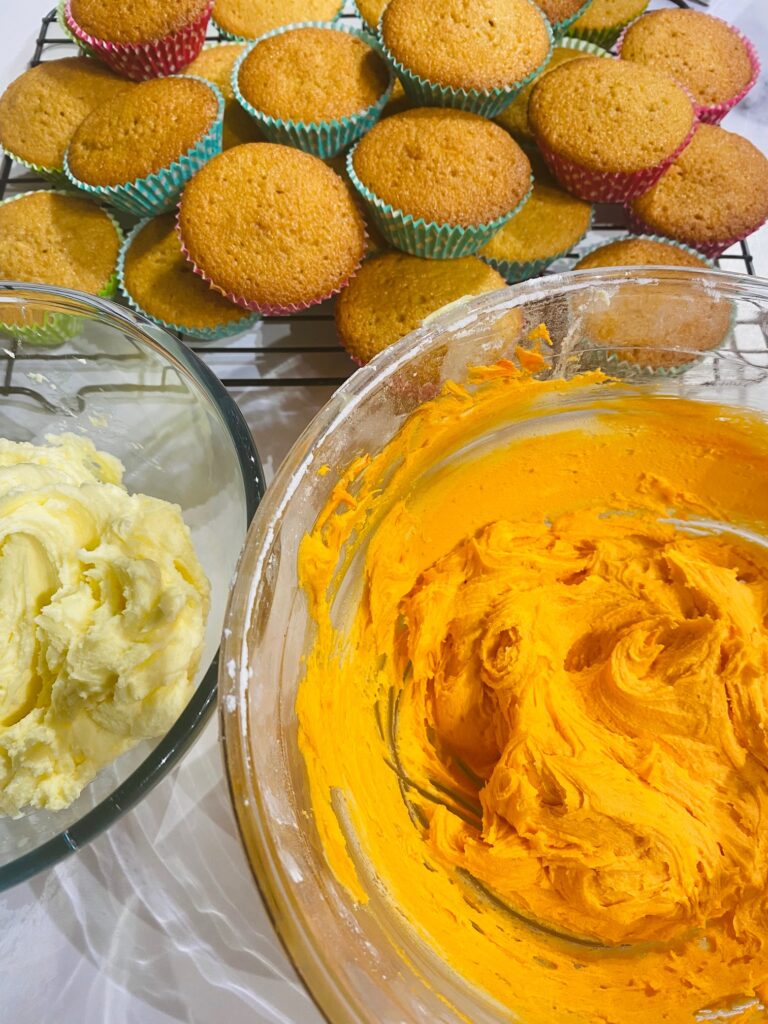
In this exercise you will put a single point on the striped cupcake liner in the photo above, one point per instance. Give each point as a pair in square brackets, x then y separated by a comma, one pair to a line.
[712, 250]
[560, 28]
[216, 333]
[323, 138]
[713, 113]
[604, 37]
[61, 21]
[488, 103]
[226, 34]
[569, 43]
[159, 192]
[57, 328]
[154, 59]
[515, 271]
[53, 174]
[426, 238]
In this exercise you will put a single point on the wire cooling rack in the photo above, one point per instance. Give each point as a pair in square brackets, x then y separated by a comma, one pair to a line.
[283, 368]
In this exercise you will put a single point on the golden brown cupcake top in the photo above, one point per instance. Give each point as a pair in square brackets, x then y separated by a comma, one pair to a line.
[550, 223]
[42, 108]
[162, 282]
[393, 293]
[141, 131]
[428, 162]
[272, 225]
[215, 64]
[610, 115]
[135, 21]
[371, 11]
[703, 53]
[62, 240]
[482, 44]
[313, 75]
[603, 14]
[559, 10]
[250, 19]
[717, 189]
[639, 252]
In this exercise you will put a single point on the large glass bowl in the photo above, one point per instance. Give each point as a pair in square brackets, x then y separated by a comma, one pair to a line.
[363, 964]
[73, 363]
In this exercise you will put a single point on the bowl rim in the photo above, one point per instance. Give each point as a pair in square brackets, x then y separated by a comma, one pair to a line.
[188, 725]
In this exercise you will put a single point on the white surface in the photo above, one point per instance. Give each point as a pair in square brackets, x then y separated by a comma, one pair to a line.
[158, 921]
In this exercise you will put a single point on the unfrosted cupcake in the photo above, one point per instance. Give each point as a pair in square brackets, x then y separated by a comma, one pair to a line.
[140, 40]
[57, 239]
[515, 117]
[251, 19]
[476, 58]
[604, 20]
[563, 13]
[159, 282]
[319, 87]
[215, 64]
[271, 228]
[419, 171]
[550, 224]
[609, 128]
[712, 196]
[711, 58]
[394, 292]
[137, 151]
[41, 110]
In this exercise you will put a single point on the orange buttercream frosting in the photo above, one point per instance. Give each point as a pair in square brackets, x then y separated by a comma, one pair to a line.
[539, 722]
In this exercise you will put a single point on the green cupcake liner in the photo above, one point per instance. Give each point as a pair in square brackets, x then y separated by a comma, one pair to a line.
[225, 35]
[323, 138]
[57, 328]
[605, 38]
[53, 174]
[488, 103]
[426, 238]
[583, 46]
[200, 333]
[159, 192]
[514, 271]
[61, 21]
[560, 28]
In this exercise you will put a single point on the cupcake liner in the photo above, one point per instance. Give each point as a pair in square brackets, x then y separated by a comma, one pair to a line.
[52, 174]
[159, 192]
[514, 271]
[712, 250]
[61, 21]
[324, 138]
[713, 113]
[258, 307]
[153, 59]
[583, 46]
[57, 328]
[488, 103]
[560, 28]
[224, 330]
[427, 238]
[230, 36]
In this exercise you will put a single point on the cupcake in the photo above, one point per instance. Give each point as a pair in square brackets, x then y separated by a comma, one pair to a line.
[158, 281]
[318, 87]
[371, 12]
[59, 239]
[418, 173]
[394, 293]
[515, 117]
[271, 228]
[42, 108]
[711, 58]
[215, 65]
[140, 40]
[476, 57]
[648, 323]
[563, 13]
[712, 196]
[251, 19]
[604, 20]
[550, 224]
[137, 151]
[609, 128]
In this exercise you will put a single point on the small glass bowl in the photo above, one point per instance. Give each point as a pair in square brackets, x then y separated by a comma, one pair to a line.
[74, 363]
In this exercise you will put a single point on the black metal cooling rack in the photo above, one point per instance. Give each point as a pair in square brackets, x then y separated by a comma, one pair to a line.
[51, 37]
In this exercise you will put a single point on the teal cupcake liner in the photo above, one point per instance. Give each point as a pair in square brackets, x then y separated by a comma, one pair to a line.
[560, 28]
[488, 103]
[230, 36]
[159, 192]
[57, 328]
[324, 138]
[200, 333]
[515, 271]
[426, 238]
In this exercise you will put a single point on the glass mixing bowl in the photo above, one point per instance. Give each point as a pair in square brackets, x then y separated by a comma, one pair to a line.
[363, 963]
[74, 363]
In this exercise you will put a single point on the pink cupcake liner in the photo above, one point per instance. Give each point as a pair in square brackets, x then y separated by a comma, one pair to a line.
[260, 307]
[711, 249]
[713, 113]
[153, 59]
